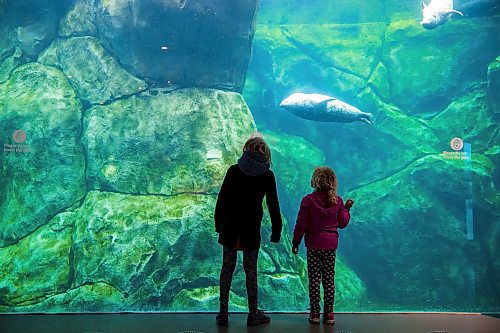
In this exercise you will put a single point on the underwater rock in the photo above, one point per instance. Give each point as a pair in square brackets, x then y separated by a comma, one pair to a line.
[350, 290]
[10, 63]
[294, 160]
[162, 253]
[430, 254]
[95, 297]
[31, 24]
[342, 59]
[342, 63]
[188, 43]
[410, 131]
[120, 252]
[379, 81]
[37, 267]
[79, 20]
[494, 84]
[469, 118]
[379, 151]
[429, 69]
[42, 160]
[94, 74]
[158, 144]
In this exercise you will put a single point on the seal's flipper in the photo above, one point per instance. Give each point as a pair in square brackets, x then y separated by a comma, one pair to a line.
[323, 103]
[456, 12]
[367, 118]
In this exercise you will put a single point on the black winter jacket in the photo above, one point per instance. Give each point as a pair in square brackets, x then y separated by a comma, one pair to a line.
[238, 212]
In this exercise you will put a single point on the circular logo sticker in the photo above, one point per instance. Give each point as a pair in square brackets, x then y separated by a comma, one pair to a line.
[19, 136]
[457, 143]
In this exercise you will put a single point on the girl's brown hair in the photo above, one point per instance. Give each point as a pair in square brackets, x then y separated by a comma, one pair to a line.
[257, 144]
[325, 180]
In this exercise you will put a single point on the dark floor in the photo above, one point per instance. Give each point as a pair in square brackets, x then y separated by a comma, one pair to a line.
[280, 323]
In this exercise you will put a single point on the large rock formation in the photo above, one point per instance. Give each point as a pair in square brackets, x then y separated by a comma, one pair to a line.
[95, 75]
[185, 43]
[425, 81]
[149, 253]
[166, 144]
[142, 238]
[29, 24]
[419, 213]
[24, 267]
[113, 181]
[42, 161]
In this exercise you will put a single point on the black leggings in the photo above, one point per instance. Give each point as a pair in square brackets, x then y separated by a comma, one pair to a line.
[229, 257]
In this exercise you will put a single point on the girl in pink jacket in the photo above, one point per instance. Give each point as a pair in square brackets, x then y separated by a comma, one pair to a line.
[321, 213]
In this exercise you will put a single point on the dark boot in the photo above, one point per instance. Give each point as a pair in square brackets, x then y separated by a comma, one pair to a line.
[222, 319]
[257, 318]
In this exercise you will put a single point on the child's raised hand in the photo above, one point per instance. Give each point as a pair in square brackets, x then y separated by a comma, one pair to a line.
[349, 203]
[295, 249]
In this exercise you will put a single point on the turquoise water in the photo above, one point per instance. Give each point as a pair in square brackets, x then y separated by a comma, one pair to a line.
[119, 118]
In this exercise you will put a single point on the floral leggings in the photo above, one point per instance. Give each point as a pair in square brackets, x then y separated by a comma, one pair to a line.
[229, 257]
[321, 269]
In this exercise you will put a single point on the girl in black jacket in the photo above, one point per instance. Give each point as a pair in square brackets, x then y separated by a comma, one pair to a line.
[238, 217]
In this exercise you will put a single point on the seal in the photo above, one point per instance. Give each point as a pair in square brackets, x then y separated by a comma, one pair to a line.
[324, 108]
[436, 13]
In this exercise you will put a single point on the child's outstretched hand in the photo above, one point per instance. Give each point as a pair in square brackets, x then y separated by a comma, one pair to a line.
[295, 249]
[349, 203]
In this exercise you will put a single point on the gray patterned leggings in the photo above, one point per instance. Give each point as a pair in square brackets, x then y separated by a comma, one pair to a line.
[229, 257]
[321, 269]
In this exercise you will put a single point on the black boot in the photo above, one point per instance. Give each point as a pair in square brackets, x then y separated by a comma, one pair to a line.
[257, 318]
[222, 319]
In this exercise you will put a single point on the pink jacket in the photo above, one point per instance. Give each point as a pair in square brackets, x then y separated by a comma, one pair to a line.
[319, 220]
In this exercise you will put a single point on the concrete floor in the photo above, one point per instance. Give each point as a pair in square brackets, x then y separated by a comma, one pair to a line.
[280, 323]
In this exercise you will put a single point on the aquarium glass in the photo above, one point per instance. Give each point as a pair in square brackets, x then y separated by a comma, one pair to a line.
[119, 119]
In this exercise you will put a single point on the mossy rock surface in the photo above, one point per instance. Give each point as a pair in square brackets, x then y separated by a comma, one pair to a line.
[43, 173]
[38, 266]
[429, 69]
[339, 63]
[79, 20]
[469, 118]
[87, 298]
[13, 59]
[96, 76]
[425, 203]
[162, 252]
[121, 252]
[166, 144]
